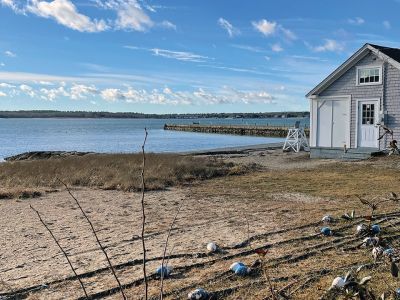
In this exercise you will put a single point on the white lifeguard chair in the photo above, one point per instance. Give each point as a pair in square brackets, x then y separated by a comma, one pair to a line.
[296, 139]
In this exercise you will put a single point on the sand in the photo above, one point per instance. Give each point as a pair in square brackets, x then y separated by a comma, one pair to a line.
[30, 258]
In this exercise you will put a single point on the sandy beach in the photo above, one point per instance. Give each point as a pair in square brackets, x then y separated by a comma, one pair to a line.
[275, 206]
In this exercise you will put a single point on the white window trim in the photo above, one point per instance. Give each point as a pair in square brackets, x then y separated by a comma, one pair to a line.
[368, 67]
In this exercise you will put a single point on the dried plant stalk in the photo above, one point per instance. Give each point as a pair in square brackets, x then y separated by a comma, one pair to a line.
[165, 252]
[146, 285]
[96, 237]
[62, 250]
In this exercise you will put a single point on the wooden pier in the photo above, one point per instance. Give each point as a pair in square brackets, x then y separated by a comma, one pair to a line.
[267, 131]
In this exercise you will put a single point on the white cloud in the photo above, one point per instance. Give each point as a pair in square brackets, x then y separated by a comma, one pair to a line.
[10, 53]
[128, 94]
[329, 45]
[356, 21]
[81, 91]
[267, 58]
[111, 95]
[6, 85]
[130, 15]
[43, 82]
[53, 94]
[268, 28]
[2, 64]
[232, 31]
[248, 48]
[13, 5]
[65, 13]
[387, 24]
[230, 95]
[276, 47]
[2, 94]
[179, 55]
[288, 33]
[168, 25]
[265, 27]
[27, 90]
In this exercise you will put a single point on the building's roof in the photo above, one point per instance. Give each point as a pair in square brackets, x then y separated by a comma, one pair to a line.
[391, 55]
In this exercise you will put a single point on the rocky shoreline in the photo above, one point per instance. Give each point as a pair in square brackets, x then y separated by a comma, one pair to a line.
[38, 155]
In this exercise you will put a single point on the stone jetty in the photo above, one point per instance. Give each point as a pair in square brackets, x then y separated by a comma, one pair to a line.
[268, 131]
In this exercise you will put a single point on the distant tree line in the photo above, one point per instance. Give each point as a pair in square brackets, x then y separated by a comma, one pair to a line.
[134, 115]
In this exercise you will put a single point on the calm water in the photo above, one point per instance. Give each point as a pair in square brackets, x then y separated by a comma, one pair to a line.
[120, 135]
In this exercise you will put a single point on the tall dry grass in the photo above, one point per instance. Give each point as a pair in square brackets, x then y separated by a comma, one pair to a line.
[108, 171]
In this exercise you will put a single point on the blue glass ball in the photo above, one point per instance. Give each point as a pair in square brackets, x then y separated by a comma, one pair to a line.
[165, 270]
[375, 228]
[326, 231]
[236, 265]
[241, 271]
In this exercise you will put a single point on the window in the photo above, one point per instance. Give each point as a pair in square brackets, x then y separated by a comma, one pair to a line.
[368, 114]
[369, 75]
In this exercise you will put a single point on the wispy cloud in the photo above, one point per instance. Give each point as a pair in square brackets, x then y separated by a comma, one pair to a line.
[268, 28]
[10, 53]
[237, 69]
[248, 48]
[288, 34]
[356, 21]
[276, 47]
[179, 55]
[303, 57]
[387, 24]
[230, 29]
[168, 25]
[329, 45]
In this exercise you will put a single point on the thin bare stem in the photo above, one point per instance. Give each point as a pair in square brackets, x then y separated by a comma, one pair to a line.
[62, 250]
[165, 252]
[97, 238]
[146, 285]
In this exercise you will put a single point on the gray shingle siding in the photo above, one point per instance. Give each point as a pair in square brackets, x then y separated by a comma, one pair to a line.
[346, 85]
[392, 102]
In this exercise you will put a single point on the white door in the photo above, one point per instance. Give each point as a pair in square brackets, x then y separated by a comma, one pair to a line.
[324, 131]
[367, 135]
[332, 123]
[340, 119]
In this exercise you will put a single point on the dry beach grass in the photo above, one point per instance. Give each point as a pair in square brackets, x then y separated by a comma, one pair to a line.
[28, 179]
[283, 204]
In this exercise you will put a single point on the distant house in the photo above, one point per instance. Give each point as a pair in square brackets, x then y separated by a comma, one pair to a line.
[346, 106]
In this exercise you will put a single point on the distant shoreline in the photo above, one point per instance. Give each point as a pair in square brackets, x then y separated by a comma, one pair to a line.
[46, 114]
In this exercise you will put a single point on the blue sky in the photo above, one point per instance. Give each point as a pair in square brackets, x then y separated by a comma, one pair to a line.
[180, 56]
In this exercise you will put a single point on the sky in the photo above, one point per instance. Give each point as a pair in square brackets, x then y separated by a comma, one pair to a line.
[180, 56]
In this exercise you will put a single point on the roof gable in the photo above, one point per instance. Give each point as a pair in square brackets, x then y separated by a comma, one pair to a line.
[390, 55]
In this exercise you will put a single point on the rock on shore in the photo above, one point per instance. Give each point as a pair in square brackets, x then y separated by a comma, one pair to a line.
[36, 155]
